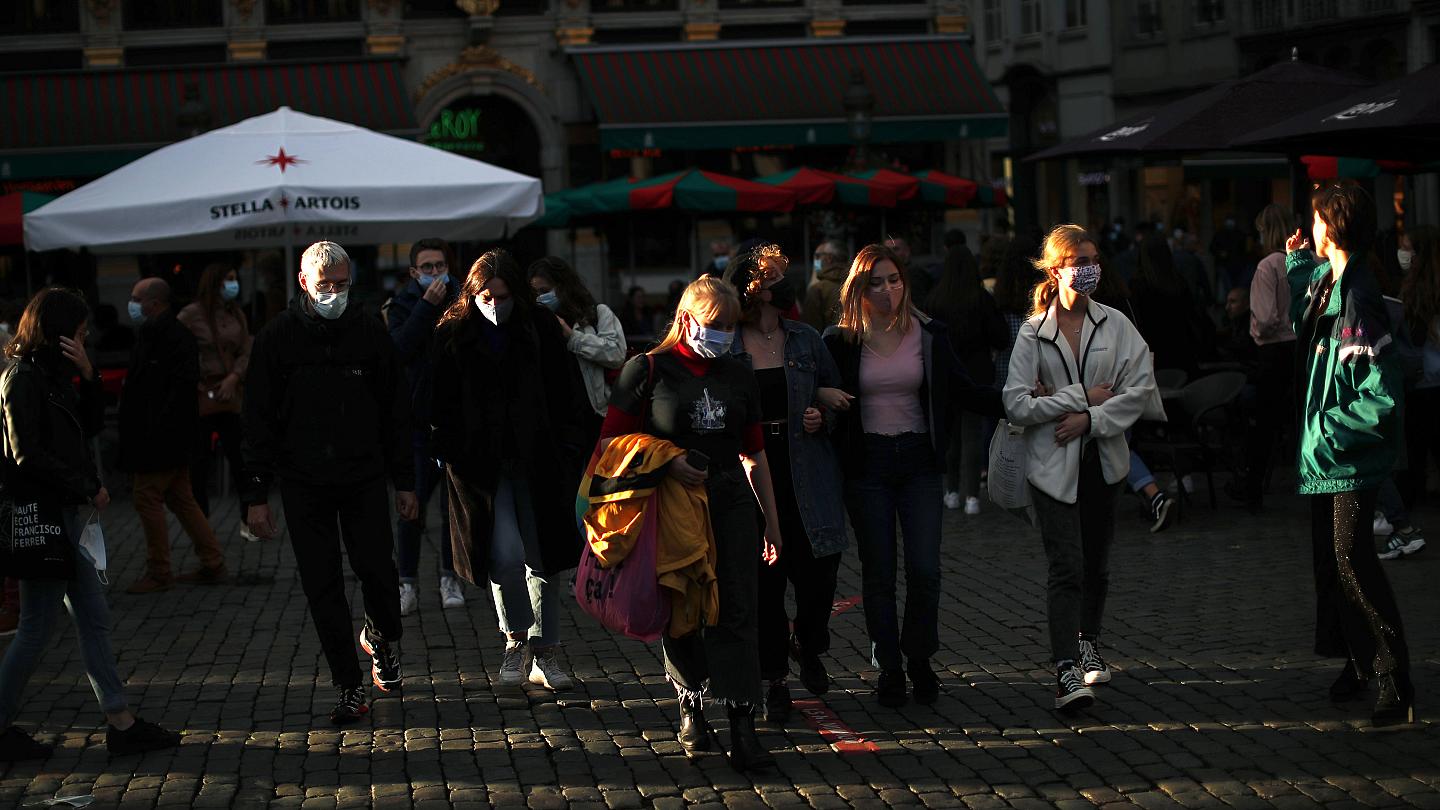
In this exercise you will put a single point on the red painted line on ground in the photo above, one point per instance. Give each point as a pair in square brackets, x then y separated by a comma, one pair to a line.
[842, 605]
[842, 738]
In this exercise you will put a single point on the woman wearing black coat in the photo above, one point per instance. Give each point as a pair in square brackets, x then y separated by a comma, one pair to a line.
[505, 420]
[45, 459]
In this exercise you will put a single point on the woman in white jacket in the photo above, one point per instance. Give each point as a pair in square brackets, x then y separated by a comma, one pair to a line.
[592, 331]
[1080, 376]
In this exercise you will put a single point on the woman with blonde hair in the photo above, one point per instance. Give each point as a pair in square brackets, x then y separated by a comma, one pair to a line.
[892, 441]
[1275, 377]
[1080, 376]
[691, 391]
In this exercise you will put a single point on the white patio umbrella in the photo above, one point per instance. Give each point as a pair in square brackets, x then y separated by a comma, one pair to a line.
[286, 179]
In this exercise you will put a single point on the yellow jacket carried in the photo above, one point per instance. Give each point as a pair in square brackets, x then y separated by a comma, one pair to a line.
[629, 478]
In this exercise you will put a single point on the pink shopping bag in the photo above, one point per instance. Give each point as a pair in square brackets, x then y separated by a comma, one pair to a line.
[626, 598]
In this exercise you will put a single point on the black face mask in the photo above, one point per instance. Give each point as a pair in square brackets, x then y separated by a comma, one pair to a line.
[782, 294]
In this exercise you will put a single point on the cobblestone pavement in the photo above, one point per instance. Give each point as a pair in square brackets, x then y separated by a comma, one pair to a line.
[1217, 699]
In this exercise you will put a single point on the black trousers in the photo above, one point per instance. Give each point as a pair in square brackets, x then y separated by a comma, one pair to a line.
[813, 579]
[320, 517]
[1355, 611]
[1422, 443]
[1274, 414]
[227, 425]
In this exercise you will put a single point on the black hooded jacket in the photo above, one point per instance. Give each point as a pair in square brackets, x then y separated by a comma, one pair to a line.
[326, 403]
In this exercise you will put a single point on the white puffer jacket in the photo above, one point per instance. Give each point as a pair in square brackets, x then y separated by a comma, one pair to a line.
[1111, 350]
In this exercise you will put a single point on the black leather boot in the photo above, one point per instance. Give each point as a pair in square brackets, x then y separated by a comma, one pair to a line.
[1349, 685]
[1396, 703]
[746, 752]
[696, 735]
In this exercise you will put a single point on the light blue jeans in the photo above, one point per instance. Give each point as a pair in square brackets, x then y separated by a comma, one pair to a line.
[40, 604]
[525, 597]
[1139, 476]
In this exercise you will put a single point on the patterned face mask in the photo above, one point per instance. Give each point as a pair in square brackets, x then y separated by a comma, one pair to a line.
[1084, 280]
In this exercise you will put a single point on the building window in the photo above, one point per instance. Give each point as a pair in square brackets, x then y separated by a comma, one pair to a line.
[1267, 14]
[39, 17]
[1148, 22]
[1029, 17]
[994, 20]
[1209, 12]
[1318, 10]
[311, 11]
[1076, 14]
[172, 14]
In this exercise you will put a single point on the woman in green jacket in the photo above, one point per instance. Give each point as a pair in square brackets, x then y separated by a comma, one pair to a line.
[1349, 439]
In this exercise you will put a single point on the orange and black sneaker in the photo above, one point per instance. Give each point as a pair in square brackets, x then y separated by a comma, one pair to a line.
[350, 707]
[385, 666]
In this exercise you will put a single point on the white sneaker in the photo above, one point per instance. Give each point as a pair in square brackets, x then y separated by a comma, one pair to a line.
[247, 534]
[1382, 526]
[972, 506]
[952, 500]
[512, 665]
[545, 671]
[452, 594]
[409, 599]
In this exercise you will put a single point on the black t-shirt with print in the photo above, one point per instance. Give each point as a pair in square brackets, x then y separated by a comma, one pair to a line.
[708, 413]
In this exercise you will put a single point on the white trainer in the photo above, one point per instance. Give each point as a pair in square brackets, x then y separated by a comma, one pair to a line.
[545, 671]
[972, 506]
[409, 599]
[452, 593]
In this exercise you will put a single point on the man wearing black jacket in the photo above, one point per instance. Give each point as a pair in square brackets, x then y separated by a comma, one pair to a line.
[159, 409]
[327, 418]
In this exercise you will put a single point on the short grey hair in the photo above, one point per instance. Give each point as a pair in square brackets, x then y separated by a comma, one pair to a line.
[322, 256]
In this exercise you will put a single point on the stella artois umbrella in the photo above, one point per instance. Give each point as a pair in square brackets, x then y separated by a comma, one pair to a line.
[286, 179]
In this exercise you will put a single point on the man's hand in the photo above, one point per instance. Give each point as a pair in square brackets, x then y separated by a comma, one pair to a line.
[435, 293]
[1071, 426]
[257, 517]
[75, 353]
[101, 499]
[812, 420]
[681, 471]
[229, 387]
[1099, 394]
[407, 505]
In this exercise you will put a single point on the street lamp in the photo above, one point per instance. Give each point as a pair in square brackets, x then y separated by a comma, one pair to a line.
[859, 114]
[193, 117]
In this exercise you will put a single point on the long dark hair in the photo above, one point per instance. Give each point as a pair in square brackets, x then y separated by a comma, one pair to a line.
[1422, 287]
[212, 303]
[577, 305]
[53, 313]
[1156, 267]
[958, 292]
[499, 264]
[1016, 276]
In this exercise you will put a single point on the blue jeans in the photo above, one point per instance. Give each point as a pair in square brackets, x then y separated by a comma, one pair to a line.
[428, 474]
[526, 599]
[40, 603]
[1139, 476]
[900, 478]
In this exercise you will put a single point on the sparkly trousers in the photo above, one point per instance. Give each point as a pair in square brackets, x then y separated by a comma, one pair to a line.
[1355, 611]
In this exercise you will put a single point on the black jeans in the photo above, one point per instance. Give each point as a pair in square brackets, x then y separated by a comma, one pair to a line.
[1274, 413]
[1077, 541]
[813, 578]
[227, 425]
[1355, 611]
[320, 517]
[726, 654]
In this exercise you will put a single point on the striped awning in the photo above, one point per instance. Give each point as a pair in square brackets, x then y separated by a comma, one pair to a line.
[96, 109]
[723, 95]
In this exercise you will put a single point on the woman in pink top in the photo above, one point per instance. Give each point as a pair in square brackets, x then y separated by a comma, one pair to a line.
[1270, 329]
[907, 380]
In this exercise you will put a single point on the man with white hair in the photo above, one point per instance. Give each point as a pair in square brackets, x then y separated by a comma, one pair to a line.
[327, 418]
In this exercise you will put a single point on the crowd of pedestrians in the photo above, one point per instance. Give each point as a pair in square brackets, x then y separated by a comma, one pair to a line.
[794, 415]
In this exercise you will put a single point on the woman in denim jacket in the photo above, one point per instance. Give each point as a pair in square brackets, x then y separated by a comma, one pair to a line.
[793, 370]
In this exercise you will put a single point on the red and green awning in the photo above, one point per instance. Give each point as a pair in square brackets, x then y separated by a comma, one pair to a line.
[13, 208]
[939, 188]
[904, 186]
[819, 187]
[1320, 167]
[692, 190]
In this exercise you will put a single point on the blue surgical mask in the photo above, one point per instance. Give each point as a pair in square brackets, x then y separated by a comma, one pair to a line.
[818, 264]
[1085, 280]
[721, 262]
[137, 313]
[549, 300]
[330, 305]
[230, 290]
[710, 342]
[426, 281]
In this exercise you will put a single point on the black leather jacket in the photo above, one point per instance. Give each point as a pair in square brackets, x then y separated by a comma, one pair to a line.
[45, 442]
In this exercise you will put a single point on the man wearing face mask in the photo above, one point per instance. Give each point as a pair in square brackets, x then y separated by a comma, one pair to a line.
[411, 318]
[327, 418]
[719, 258]
[158, 417]
[822, 299]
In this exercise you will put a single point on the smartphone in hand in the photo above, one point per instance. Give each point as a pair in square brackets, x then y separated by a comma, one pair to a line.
[697, 459]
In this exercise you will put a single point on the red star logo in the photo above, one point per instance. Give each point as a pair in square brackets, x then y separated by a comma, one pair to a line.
[284, 201]
[281, 159]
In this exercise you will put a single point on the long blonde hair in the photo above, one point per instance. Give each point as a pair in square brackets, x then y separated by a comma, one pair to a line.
[1061, 240]
[855, 321]
[1274, 224]
[706, 298]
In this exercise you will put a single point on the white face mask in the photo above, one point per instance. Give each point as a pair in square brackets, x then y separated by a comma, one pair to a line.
[92, 546]
[710, 342]
[1405, 257]
[496, 313]
[331, 305]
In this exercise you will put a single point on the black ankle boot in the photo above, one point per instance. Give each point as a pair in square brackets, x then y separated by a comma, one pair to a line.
[1396, 703]
[746, 752]
[695, 735]
[1349, 685]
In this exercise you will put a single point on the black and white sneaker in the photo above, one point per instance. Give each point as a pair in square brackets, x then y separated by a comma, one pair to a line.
[385, 660]
[350, 707]
[1160, 512]
[1071, 693]
[1092, 666]
[140, 737]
